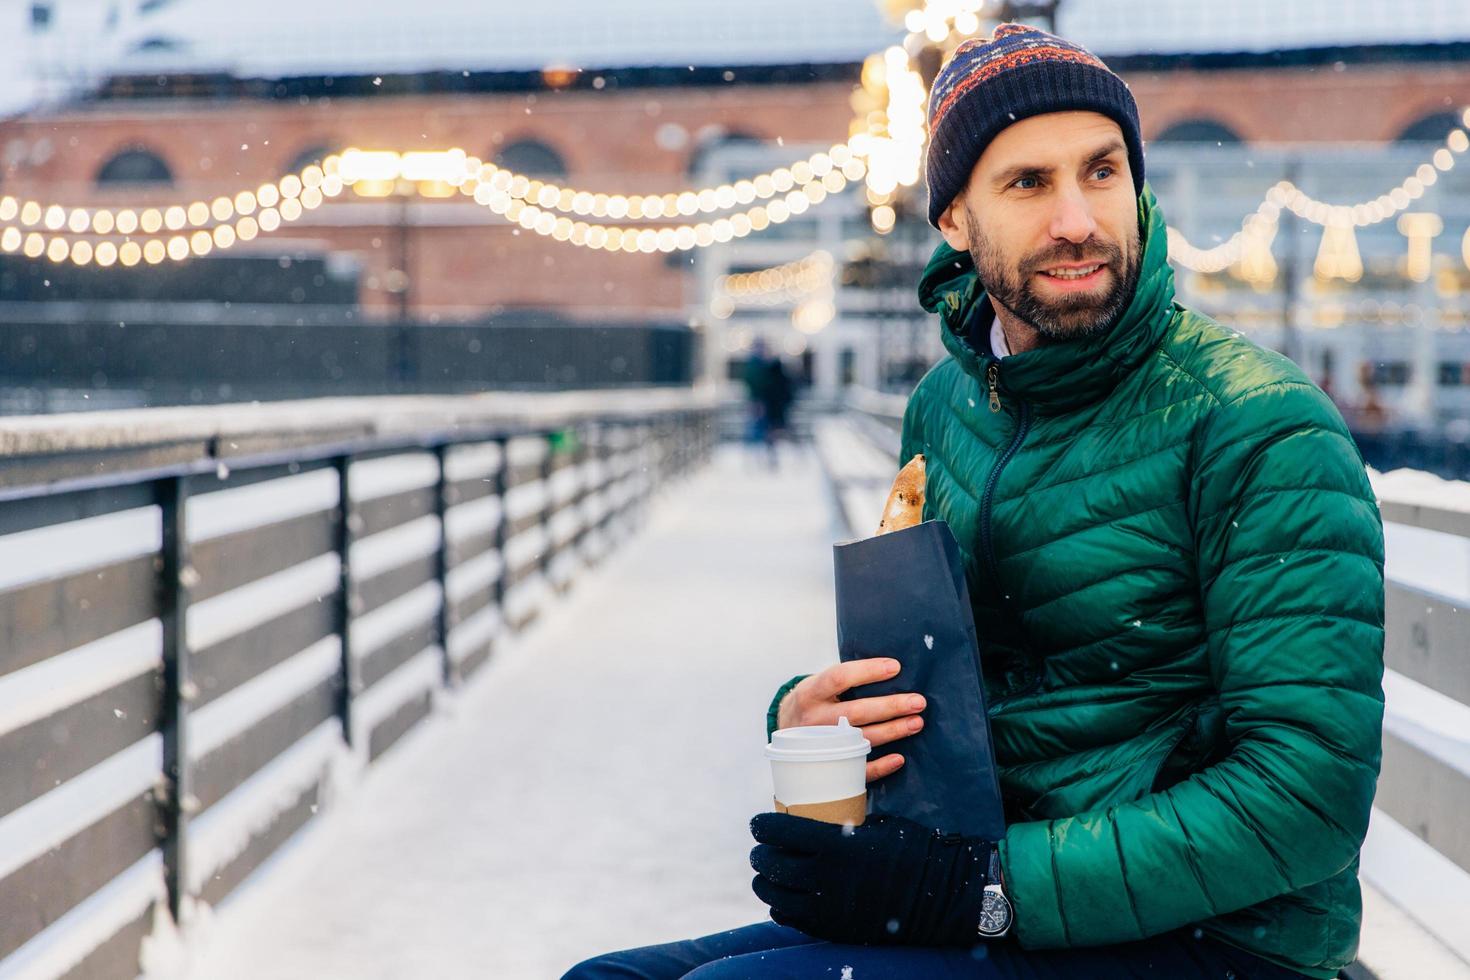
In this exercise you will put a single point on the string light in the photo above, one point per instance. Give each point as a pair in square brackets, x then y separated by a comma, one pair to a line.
[781, 283]
[1257, 265]
[1337, 256]
[887, 152]
[245, 215]
[266, 208]
[885, 149]
[1257, 225]
[1342, 249]
[892, 138]
[834, 168]
[1420, 228]
[814, 314]
[90, 236]
[546, 222]
[807, 282]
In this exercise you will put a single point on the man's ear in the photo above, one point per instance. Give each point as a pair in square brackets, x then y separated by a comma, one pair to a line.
[952, 225]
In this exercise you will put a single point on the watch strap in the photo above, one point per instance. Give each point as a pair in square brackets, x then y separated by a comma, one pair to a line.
[995, 891]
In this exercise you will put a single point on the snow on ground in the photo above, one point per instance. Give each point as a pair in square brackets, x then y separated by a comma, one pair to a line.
[1398, 948]
[1418, 487]
[591, 789]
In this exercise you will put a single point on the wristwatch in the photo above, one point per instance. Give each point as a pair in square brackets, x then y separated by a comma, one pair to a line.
[995, 908]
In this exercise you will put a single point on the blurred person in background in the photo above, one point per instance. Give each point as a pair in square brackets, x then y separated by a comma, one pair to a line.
[769, 396]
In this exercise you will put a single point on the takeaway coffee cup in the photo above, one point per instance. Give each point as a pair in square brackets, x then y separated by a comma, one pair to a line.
[820, 772]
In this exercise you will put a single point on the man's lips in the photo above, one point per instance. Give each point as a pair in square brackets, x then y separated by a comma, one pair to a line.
[1073, 276]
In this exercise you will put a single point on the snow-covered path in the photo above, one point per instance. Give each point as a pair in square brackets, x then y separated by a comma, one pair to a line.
[591, 788]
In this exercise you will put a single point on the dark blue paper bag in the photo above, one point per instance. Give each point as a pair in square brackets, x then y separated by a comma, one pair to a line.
[903, 595]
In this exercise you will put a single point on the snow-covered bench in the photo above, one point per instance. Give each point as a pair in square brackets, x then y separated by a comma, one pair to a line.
[858, 448]
[858, 473]
[1415, 867]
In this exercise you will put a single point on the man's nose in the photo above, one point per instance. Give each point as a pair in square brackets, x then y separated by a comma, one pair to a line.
[1072, 219]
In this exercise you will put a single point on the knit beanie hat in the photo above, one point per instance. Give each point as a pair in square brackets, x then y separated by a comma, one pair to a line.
[1020, 71]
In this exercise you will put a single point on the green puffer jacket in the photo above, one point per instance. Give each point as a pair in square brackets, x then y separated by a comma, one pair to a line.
[1176, 566]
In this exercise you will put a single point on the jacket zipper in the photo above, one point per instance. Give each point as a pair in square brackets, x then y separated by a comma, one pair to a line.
[987, 498]
[987, 545]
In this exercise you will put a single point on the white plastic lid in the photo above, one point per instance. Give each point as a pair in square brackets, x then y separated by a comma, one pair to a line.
[818, 743]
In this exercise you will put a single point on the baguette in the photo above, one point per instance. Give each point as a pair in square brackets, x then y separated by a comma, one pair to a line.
[905, 506]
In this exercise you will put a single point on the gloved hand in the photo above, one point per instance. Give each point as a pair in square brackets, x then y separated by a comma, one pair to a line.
[888, 881]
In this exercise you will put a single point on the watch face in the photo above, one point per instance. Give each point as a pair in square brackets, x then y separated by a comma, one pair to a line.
[995, 914]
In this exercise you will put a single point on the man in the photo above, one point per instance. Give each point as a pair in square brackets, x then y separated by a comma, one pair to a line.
[770, 397]
[1175, 561]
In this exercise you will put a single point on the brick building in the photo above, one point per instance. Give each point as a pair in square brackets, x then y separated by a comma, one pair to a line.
[461, 258]
[180, 107]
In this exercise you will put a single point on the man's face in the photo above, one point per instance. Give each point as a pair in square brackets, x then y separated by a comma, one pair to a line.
[1050, 217]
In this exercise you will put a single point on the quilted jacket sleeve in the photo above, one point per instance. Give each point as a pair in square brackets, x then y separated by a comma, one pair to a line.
[774, 710]
[1290, 559]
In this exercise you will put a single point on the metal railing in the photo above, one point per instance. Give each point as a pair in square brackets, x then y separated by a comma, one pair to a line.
[213, 618]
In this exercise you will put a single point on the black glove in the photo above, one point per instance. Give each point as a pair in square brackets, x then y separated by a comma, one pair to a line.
[888, 881]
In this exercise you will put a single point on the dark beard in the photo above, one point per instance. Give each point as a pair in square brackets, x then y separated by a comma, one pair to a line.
[1073, 317]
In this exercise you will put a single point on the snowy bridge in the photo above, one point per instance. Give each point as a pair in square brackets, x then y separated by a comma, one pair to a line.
[216, 619]
[220, 621]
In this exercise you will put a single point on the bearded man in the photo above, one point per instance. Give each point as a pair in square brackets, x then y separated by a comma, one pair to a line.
[1176, 567]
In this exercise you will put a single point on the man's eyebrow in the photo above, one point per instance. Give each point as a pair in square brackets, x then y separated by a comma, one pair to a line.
[1116, 146]
[1010, 174]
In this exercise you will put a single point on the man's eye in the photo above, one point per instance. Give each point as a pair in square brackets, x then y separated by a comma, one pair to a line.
[1105, 172]
[1026, 183]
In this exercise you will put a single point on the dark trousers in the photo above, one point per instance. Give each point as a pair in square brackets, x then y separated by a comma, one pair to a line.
[766, 950]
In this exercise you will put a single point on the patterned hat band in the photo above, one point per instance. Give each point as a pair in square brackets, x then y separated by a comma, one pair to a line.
[1018, 72]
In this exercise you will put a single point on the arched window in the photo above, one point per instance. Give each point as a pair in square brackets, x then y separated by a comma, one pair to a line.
[1198, 131]
[1432, 128]
[135, 166]
[313, 154]
[709, 145]
[532, 158]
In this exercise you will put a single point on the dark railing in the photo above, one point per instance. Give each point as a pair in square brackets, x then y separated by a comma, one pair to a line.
[213, 617]
[70, 356]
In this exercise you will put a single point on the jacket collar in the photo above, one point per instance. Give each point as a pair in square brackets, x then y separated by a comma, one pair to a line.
[1062, 377]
